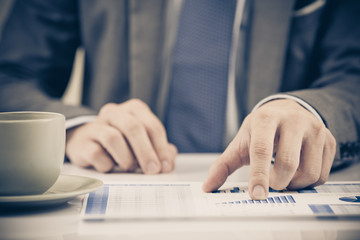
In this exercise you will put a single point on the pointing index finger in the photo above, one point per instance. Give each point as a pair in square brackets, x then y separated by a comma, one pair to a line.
[261, 151]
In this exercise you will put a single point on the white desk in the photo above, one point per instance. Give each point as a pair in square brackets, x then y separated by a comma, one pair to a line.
[63, 222]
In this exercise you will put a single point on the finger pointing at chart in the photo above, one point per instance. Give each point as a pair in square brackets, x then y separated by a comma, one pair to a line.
[304, 149]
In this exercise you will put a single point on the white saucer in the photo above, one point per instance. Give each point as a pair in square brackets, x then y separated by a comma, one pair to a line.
[65, 188]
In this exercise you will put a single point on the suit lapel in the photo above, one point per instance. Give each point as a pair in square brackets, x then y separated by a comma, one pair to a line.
[268, 40]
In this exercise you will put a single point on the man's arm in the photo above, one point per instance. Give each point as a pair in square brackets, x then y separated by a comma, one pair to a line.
[335, 93]
[37, 49]
[36, 56]
[305, 148]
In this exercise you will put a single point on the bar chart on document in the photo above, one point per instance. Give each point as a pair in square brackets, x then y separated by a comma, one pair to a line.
[123, 200]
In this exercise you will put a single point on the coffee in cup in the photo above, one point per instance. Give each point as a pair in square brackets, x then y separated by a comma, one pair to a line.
[32, 149]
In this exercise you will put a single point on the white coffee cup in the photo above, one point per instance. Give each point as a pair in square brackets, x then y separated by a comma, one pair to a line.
[32, 149]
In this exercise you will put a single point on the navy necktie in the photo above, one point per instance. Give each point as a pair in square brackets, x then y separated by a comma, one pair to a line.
[197, 98]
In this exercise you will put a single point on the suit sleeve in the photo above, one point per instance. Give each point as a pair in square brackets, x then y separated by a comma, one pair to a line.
[37, 49]
[335, 94]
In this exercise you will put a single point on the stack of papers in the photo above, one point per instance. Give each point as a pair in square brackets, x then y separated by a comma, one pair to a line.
[137, 200]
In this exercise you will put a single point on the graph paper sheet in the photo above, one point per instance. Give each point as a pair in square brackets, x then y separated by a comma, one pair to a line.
[186, 200]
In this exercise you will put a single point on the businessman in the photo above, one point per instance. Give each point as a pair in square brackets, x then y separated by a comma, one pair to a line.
[255, 79]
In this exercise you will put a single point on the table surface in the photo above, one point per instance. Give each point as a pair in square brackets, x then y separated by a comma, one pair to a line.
[63, 221]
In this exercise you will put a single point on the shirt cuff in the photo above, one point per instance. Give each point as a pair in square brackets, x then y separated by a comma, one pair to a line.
[77, 121]
[285, 96]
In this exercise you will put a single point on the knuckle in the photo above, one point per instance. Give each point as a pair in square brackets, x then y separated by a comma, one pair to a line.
[318, 129]
[248, 122]
[262, 150]
[163, 153]
[311, 175]
[259, 173]
[242, 151]
[137, 103]
[95, 154]
[265, 114]
[155, 127]
[239, 150]
[295, 121]
[248, 119]
[286, 162]
[97, 160]
[332, 142]
[107, 108]
[133, 125]
[173, 151]
[109, 136]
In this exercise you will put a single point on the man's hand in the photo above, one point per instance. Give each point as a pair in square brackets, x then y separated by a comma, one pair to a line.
[304, 149]
[126, 134]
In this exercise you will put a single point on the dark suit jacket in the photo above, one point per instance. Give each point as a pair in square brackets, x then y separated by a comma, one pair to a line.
[315, 57]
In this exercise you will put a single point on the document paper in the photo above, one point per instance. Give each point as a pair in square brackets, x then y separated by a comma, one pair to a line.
[137, 200]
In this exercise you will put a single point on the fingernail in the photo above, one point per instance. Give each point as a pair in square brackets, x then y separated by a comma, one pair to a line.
[152, 168]
[166, 167]
[259, 192]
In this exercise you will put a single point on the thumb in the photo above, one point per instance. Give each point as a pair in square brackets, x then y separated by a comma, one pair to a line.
[218, 174]
[225, 165]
